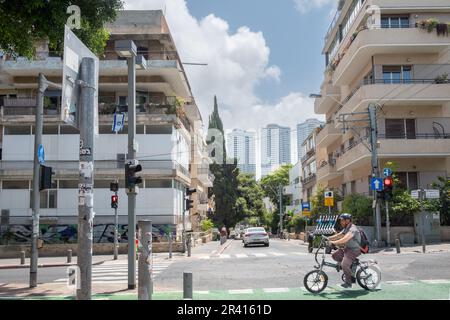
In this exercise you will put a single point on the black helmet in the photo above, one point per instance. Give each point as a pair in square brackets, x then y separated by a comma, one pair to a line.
[345, 216]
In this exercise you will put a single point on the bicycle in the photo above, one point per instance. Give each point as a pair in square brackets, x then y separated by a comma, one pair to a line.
[367, 273]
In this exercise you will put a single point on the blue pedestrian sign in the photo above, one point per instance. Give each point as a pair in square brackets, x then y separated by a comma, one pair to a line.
[377, 184]
[387, 172]
[40, 154]
[306, 206]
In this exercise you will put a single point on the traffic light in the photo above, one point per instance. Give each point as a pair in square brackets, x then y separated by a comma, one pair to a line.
[45, 178]
[188, 202]
[131, 180]
[388, 184]
[114, 186]
[114, 201]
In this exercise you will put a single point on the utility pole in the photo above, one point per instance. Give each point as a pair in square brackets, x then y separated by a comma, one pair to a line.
[42, 86]
[115, 186]
[422, 194]
[280, 190]
[86, 178]
[375, 169]
[388, 226]
[145, 281]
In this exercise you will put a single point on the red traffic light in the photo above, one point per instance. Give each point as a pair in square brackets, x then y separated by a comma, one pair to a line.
[388, 182]
[114, 198]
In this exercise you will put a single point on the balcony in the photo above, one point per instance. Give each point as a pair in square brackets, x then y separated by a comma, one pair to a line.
[309, 179]
[330, 95]
[205, 176]
[27, 107]
[354, 156]
[422, 145]
[328, 171]
[328, 135]
[309, 154]
[370, 42]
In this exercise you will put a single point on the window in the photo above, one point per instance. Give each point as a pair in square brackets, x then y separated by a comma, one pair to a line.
[397, 74]
[158, 129]
[16, 184]
[101, 184]
[68, 130]
[408, 180]
[400, 128]
[49, 129]
[140, 129]
[102, 129]
[158, 183]
[48, 199]
[68, 184]
[394, 22]
[17, 130]
[353, 187]
[344, 190]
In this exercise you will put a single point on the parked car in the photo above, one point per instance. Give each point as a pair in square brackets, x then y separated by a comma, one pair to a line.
[256, 235]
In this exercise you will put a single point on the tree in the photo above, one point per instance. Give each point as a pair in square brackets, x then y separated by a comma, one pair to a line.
[23, 22]
[360, 207]
[249, 204]
[270, 184]
[443, 205]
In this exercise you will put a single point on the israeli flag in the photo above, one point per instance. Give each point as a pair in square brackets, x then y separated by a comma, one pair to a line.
[119, 120]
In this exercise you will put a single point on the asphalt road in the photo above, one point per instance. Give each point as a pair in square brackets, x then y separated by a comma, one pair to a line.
[281, 265]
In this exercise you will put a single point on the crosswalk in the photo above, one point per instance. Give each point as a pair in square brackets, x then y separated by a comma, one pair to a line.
[116, 272]
[269, 254]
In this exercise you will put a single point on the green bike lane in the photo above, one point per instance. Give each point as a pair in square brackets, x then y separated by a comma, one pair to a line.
[414, 290]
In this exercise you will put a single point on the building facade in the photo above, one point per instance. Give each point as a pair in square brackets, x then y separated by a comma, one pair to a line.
[381, 52]
[241, 146]
[294, 189]
[275, 148]
[303, 131]
[167, 123]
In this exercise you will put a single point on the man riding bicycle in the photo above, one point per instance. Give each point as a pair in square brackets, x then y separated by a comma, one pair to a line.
[349, 238]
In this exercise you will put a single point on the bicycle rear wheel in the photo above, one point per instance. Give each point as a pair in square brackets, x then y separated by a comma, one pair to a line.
[368, 277]
[315, 281]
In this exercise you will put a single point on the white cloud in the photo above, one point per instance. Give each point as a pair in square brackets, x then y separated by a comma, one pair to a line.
[307, 5]
[237, 63]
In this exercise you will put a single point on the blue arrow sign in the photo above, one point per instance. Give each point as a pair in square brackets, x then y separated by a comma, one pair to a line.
[41, 154]
[377, 184]
[387, 172]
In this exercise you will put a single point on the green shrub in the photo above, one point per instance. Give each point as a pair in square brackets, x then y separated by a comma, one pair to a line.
[206, 225]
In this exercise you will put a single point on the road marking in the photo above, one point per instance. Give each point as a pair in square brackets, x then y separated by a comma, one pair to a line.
[205, 257]
[214, 252]
[260, 255]
[241, 255]
[241, 291]
[224, 256]
[275, 290]
[300, 253]
[277, 254]
[436, 281]
[399, 282]
[202, 292]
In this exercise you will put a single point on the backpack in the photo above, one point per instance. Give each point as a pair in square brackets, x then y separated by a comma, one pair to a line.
[364, 244]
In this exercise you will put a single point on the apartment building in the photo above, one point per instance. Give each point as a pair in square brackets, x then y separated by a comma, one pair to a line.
[171, 148]
[294, 189]
[275, 148]
[241, 146]
[303, 131]
[309, 165]
[394, 54]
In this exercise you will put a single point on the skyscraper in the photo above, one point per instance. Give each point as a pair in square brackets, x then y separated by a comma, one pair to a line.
[303, 131]
[275, 148]
[241, 145]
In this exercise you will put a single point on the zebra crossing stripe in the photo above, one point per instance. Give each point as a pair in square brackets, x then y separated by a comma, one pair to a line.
[436, 281]
[277, 254]
[224, 256]
[275, 290]
[399, 282]
[202, 292]
[241, 291]
[241, 255]
[299, 253]
[260, 255]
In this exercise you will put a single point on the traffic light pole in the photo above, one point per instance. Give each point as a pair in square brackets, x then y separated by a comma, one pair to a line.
[42, 86]
[86, 178]
[281, 210]
[116, 232]
[388, 226]
[375, 169]
[131, 62]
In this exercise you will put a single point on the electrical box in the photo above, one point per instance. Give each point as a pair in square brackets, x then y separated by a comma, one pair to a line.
[432, 227]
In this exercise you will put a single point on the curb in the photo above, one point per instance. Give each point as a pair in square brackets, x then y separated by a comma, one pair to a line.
[48, 265]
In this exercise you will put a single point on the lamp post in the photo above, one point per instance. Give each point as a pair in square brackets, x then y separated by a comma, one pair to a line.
[127, 49]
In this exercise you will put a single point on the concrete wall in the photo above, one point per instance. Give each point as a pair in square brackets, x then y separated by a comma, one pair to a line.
[445, 233]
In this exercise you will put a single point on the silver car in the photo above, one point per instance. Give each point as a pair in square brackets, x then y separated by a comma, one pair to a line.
[257, 235]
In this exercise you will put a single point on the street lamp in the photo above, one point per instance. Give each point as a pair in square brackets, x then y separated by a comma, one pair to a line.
[125, 48]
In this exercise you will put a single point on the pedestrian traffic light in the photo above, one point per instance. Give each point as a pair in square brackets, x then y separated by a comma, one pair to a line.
[131, 180]
[114, 186]
[114, 201]
[45, 178]
[187, 201]
[388, 184]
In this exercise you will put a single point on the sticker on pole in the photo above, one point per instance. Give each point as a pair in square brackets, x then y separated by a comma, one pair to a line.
[74, 52]
[41, 154]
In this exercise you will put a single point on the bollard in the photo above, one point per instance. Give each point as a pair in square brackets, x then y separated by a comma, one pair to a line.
[69, 256]
[145, 284]
[397, 245]
[189, 244]
[187, 285]
[170, 246]
[22, 257]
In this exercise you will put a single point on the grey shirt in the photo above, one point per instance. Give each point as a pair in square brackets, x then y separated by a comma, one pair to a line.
[354, 242]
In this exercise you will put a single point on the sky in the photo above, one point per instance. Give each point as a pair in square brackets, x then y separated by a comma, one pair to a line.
[264, 56]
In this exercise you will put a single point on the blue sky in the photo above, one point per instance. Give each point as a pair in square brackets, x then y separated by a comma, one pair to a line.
[295, 39]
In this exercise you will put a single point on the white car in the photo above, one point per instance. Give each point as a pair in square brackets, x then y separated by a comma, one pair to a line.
[257, 235]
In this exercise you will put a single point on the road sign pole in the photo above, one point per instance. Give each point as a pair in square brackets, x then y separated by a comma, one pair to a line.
[131, 156]
[388, 226]
[375, 169]
[116, 232]
[145, 261]
[86, 178]
[281, 211]
[422, 220]
[39, 120]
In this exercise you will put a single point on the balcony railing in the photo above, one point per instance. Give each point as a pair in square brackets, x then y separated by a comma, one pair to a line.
[308, 154]
[308, 179]
[436, 135]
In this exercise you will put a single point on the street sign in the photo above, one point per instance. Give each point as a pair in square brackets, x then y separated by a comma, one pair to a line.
[415, 194]
[432, 194]
[119, 121]
[329, 194]
[376, 184]
[306, 206]
[387, 172]
[74, 52]
[329, 202]
[41, 154]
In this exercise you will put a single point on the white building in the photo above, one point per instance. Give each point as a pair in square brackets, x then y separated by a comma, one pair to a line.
[303, 131]
[241, 146]
[294, 189]
[275, 148]
[166, 125]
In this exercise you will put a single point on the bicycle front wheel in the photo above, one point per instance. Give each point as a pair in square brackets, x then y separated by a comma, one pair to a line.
[315, 281]
[368, 277]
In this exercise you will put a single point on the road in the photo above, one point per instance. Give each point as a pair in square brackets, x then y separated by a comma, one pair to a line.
[268, 272]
